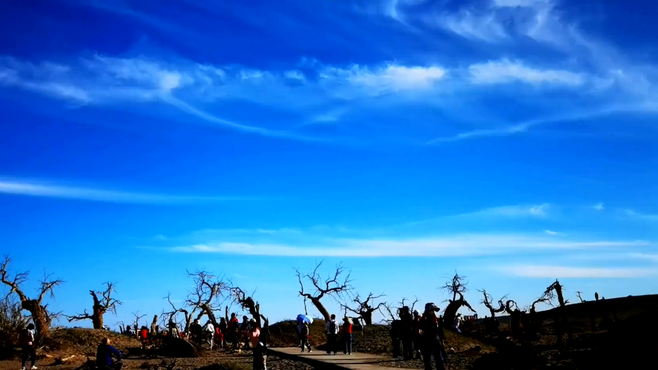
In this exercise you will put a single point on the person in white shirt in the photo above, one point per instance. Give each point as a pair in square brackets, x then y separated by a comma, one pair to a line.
[209, 330]
[26, 341]
[332, 335]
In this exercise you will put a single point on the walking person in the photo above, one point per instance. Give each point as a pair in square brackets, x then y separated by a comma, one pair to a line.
[346, 335]
[332, 335]
[209, 331]
[26, 341]
[260, 351]
[432, 337]
[304, 335]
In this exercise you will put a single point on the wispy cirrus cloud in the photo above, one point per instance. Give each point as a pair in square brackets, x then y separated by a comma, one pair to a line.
[293, 95]
[516, 211]
[647, 217]
[552, 272]
[505, 71]
[50, 189]
[443, 246]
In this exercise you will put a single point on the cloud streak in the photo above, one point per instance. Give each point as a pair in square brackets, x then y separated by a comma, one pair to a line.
[505, 71]
[552, 272]
[51, 190]
[444, 246]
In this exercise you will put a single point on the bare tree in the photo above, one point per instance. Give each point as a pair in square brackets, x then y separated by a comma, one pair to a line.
[334, 285]
[188, 314]
[40, 315]
[248, 303]
[389, 316]
[579, 294]
[413, 304]
[456, 286]
[101, 305]
[552, 292]
[488, 303]
[515, 313]
[138, 318]
[364, 308]
[206, 295]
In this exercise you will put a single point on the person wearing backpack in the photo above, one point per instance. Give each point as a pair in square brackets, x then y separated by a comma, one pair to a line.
[332, 335]
[26, 341]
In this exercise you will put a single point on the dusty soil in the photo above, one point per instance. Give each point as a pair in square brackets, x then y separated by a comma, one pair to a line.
[209, 360]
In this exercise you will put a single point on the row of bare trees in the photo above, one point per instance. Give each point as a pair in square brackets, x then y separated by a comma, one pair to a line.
[338, 285]
[208, 295]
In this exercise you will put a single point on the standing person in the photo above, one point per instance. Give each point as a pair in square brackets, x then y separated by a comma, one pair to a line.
[144, 337]
[26, 341]
[457, 323]
[154, 326]
[221, 331]
[104, 354]
[416, 335]
[234, 331]
[209, 331]
[432, 337]
[346, 335]
[244, 330]
[304, 334]
[260, 352]
[332, 335]
[173, 328]
[196, 331]
[406, 327]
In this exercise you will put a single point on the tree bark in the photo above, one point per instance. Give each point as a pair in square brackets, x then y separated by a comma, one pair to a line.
[323, 310]
[39, 316]
[367, 317]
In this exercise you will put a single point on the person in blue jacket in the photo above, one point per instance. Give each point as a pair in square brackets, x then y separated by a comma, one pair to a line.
[104, 354]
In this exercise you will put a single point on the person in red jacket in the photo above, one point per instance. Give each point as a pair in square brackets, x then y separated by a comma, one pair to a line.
[346, 335]
[233, 334]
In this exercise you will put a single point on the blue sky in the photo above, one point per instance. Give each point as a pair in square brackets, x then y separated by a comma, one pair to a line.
[512, 140]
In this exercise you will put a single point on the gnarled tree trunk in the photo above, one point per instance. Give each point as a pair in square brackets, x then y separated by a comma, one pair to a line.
[39, 315]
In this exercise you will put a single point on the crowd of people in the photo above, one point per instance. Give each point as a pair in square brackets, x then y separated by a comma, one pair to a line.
[414, 336]
[420, 336]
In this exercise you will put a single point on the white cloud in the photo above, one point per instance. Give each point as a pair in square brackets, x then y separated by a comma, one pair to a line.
[454, 245]
[385, 79]
[526, 125]
[640, 216]
[484, 27]
[51, 190]
[534, 211]
[551, 232]
[557, 272]
[505, 71]
[599, 206]
[519, 3]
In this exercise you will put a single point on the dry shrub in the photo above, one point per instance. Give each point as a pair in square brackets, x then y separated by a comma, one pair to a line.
[11, 323]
